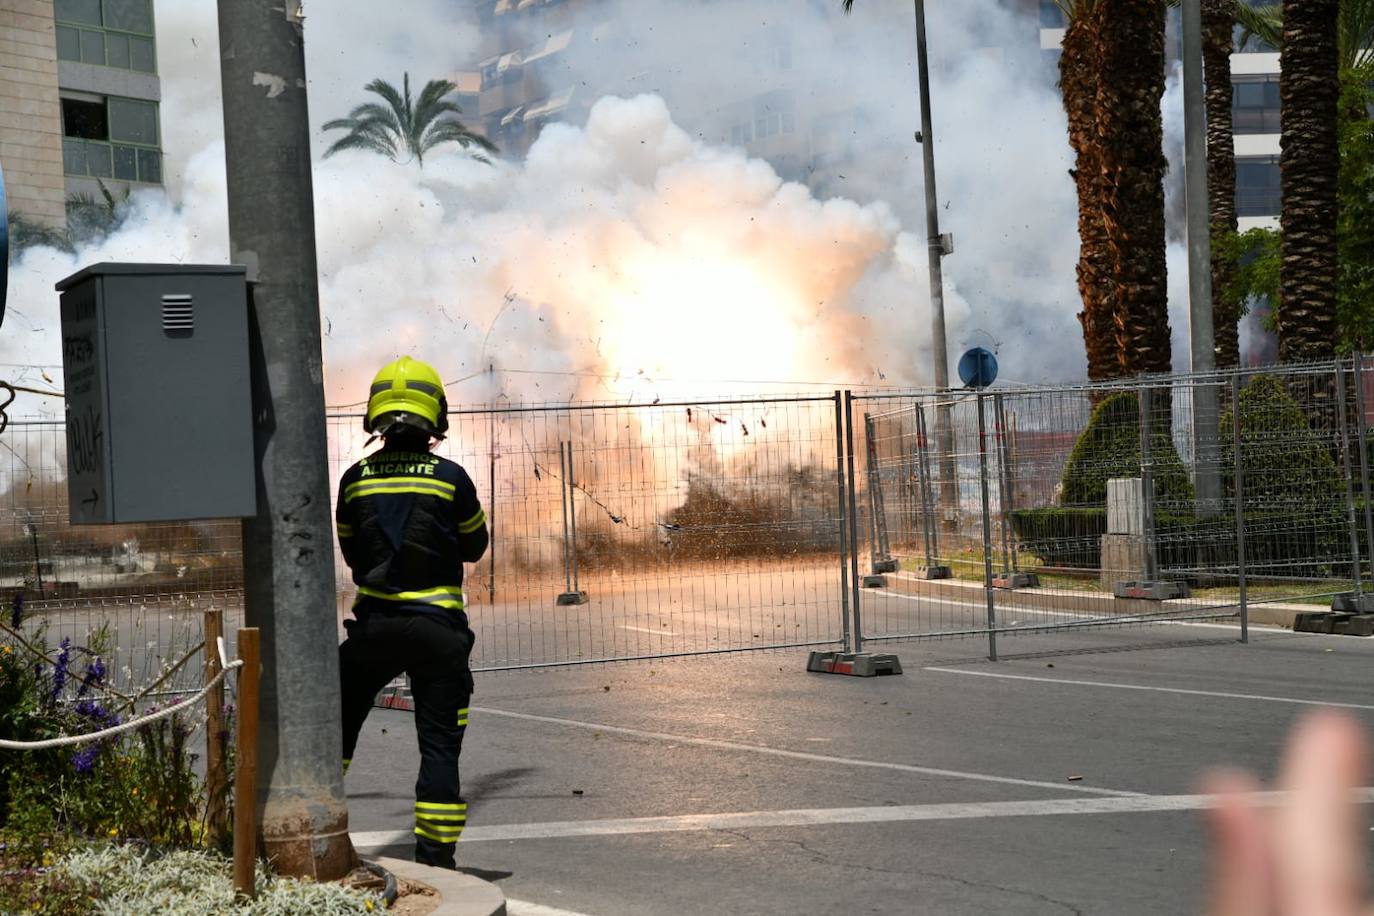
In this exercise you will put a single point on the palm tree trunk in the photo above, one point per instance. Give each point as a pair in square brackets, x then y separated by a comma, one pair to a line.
[1218, 21]
[1130, 141]
[1078, 84]
[1309, 89]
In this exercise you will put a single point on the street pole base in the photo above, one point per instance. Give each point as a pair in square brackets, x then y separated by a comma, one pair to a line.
[322, 852]
[860, 664]
[1152, 591]
[568, 599]
[887, 565]
[932, 572]
[873, 582]
[1016, 580]
[1353, 604]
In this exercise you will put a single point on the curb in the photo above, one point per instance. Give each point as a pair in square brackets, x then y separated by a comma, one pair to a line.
[460, 894]
[1045, 599]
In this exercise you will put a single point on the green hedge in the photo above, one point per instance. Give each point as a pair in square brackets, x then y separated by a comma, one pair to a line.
[1287, 465]
[1319, 544]
[1109, 448]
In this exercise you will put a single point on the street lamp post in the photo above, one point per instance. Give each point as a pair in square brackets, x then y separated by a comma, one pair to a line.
[1201, 331]
[937, 246]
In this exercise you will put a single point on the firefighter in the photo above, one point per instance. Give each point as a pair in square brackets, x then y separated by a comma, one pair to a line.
[407, 521]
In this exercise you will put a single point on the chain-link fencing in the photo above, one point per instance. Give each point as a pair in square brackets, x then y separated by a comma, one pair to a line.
[1184, 498]
[658, 530]
[646, 531]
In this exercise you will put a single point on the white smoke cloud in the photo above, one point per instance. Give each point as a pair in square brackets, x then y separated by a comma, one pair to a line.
[639, 252]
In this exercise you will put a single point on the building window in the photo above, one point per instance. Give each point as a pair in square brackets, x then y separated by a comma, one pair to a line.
[1255, 106]
[1051, 15]
[1257, 187]
[774, 113]
[779, 53]
[107, 33]
[111, 138]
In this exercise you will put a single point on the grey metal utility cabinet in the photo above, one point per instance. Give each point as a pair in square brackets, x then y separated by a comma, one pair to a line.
[159, 406]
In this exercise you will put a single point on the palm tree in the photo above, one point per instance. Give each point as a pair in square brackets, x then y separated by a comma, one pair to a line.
[1354, 56]
[399, 126]
[1128, 134]
[1078, 85]
[1309, 163]
[1218, 23]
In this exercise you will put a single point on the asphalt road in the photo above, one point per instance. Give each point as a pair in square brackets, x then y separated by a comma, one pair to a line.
[1059, 780]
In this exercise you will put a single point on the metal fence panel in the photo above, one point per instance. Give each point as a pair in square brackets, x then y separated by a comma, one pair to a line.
[672, 529]
[1115, 504]
[658, 530]
[135, 592]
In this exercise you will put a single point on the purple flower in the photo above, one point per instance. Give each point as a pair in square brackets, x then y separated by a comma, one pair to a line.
[59, 671]
[83, 761]
[94, 676]
[97, 713]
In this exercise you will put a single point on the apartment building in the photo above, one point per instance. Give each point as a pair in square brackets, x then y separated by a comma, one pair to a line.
[79, 95]
[527, 78]
[1254, 118]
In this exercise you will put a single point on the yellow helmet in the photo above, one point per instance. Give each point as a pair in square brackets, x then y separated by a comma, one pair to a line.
[410, 392]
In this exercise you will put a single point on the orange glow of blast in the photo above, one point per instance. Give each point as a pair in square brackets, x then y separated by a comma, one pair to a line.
[696, 322]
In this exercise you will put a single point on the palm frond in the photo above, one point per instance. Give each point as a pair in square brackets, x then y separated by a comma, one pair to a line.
[452, 131]
[1357, 34]
[1262, 22]
[25, 232]
[373, 141]
[389, 94]
[436, 111]
[431, 103]
[848, 5]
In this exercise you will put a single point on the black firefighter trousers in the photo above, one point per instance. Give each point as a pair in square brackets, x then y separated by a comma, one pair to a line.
[434, 652]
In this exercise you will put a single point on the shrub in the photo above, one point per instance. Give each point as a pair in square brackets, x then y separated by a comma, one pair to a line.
[1287, 466]
[1295, 503]
[122, 879]
[140, 784]
[1109, 448]
[1067, 538]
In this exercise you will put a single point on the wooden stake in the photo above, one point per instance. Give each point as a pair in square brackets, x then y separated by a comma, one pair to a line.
[246, 769]
[215, 821]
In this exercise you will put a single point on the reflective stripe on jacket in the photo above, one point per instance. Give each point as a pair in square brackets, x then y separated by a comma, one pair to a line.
[407, 522]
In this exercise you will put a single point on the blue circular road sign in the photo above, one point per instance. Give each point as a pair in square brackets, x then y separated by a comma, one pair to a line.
[978, 368]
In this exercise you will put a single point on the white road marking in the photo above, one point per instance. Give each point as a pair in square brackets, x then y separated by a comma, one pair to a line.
[525, 908]
[625, 626]
[802, 755]
[1196, 693]
[1125, 619]
[817, 817]
[1268, 629]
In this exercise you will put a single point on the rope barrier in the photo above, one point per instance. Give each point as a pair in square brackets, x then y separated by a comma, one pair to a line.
[132, 724]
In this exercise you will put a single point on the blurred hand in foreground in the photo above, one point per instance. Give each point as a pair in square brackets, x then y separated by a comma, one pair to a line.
[1304, 856]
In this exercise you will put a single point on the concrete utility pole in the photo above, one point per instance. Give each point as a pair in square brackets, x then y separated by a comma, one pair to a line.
[1205, 400]
[288, 551]
[935, 246]
[935, 252]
